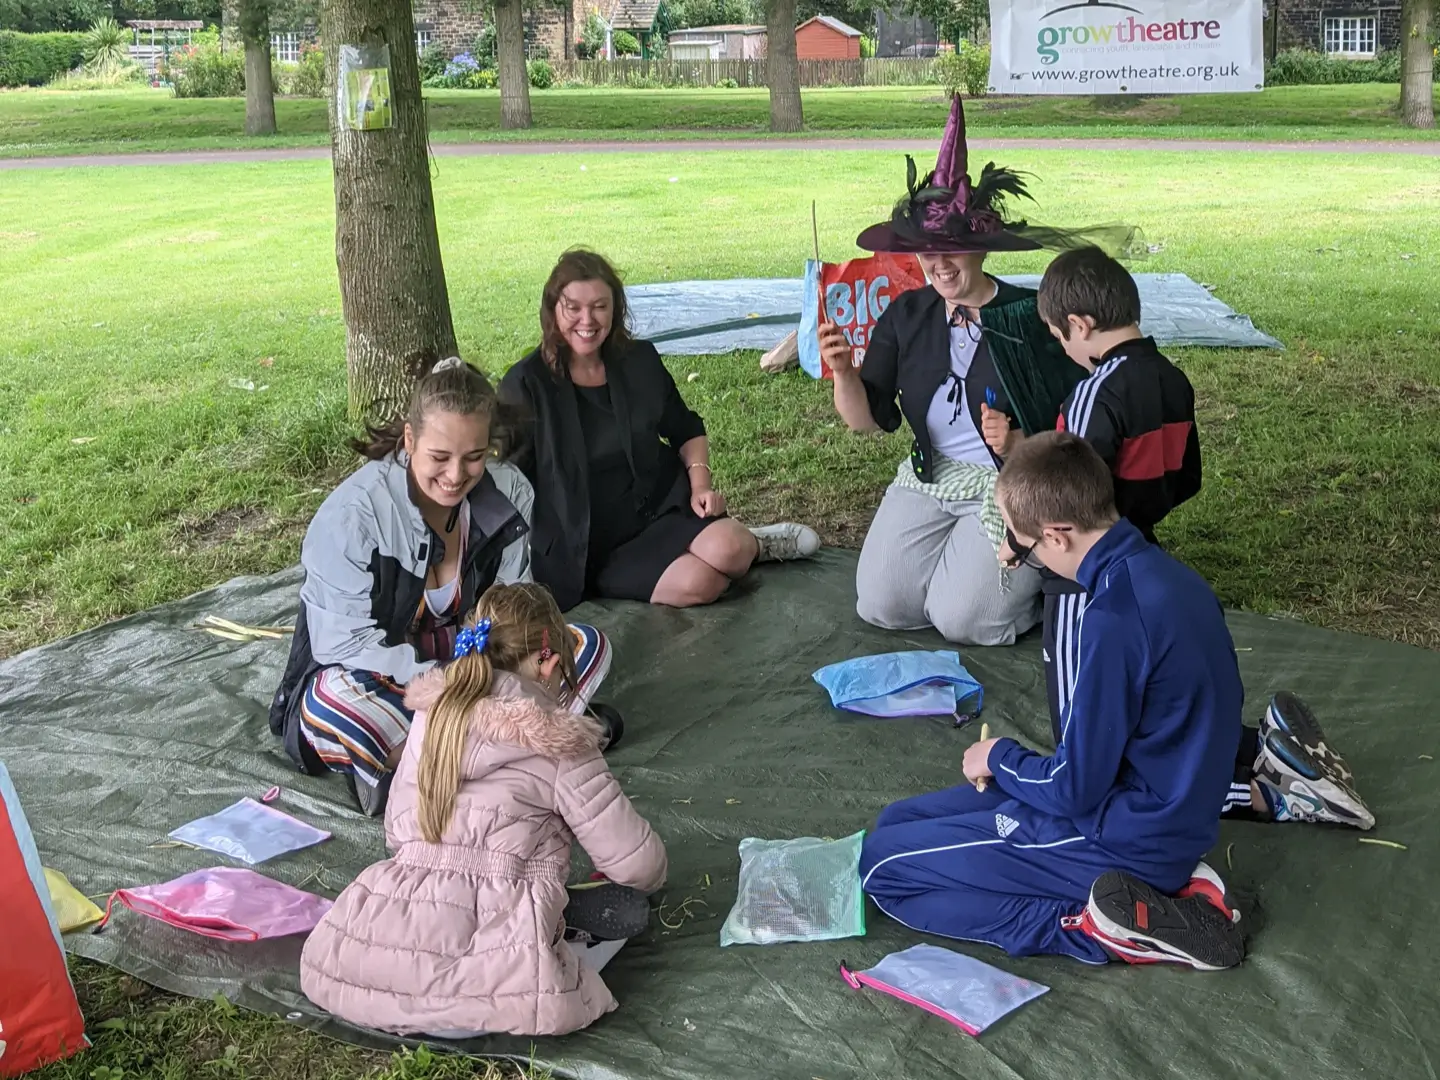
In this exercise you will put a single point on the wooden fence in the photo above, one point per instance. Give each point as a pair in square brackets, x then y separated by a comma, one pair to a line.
[667, 73]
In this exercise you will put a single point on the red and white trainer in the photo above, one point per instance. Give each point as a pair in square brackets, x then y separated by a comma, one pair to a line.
[1137, 923]
[1205, 882]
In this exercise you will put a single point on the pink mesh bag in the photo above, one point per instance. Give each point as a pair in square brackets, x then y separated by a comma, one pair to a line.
[227, 902]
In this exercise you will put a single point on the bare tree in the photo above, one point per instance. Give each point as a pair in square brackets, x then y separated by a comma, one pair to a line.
[510, 53]
[1417, 65]
[392, 280]
[782, 67]
[254, 19]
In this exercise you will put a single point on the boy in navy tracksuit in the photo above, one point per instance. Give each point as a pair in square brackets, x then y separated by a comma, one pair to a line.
[1093, 852]
[1137, 410]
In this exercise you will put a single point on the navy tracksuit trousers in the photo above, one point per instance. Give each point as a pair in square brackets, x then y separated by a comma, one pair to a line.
[981, 866]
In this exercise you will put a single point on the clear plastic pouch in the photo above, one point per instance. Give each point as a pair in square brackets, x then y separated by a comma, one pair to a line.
[249, 832]
[968, 993]
[806, 889]
[362, 88]
[904, 684]
[227, 902]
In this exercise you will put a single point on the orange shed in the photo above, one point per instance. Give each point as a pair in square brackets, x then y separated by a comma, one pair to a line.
[826, 38]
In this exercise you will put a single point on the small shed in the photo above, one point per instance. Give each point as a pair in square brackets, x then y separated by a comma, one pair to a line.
[727, 42]
[648, 20]
[826, 38]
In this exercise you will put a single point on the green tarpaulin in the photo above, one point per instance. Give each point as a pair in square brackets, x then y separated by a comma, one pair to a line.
[116, 736]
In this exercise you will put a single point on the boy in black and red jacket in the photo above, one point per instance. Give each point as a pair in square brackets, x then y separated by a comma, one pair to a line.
[1137, 409]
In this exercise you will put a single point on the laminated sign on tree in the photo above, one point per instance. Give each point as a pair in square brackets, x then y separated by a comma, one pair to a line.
[852, 295]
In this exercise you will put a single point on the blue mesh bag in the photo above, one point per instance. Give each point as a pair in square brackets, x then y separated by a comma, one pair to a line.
[904, 684]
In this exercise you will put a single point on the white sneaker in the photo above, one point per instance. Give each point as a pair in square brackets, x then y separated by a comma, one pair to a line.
[781, 543]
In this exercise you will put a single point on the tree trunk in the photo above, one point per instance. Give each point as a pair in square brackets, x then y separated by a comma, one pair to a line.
[259, 77]
[510, 51]
[392, 280]
[1417, 65]
[782, 67]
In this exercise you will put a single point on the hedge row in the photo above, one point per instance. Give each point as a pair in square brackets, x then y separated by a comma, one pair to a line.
[1302, 67]
[35, 59]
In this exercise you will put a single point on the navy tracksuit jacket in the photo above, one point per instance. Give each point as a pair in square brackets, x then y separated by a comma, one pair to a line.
[1146, 754]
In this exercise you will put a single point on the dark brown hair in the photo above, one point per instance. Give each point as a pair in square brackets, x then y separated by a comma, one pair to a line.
[524, 620]
[1056, 478]
[1086, 281]
[578, 264]
[450, 386]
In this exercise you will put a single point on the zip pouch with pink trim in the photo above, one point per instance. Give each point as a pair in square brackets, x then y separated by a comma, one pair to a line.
[968, 993]
[228, 903]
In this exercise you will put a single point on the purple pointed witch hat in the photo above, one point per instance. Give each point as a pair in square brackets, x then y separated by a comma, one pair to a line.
[945, 212]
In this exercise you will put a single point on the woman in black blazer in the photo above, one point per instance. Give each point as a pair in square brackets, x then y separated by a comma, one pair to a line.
[624, 504]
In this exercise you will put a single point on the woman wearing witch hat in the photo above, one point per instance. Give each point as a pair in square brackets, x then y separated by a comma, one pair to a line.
[945, 358]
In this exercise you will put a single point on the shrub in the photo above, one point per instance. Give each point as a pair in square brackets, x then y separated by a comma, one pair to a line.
[200, 69]
[728, 84]
[456, 74]
[106, 47]
[35, 59]
[867, 47]
[542, 75]
[1302, 67]
[593, 34]
[965, 71]
[624, 43]
[485, 50]
[307, 78]
[484, 79]
[80, 79]
[432, 63]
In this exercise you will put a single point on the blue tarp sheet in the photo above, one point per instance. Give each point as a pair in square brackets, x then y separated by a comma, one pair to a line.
[692, 318]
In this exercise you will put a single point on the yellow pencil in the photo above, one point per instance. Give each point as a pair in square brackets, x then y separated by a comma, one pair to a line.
[984, 734]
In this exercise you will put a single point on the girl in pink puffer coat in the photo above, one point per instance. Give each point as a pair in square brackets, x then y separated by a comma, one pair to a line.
[461, 930]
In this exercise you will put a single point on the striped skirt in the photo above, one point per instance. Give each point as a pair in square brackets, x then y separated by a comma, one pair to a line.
[355, 720]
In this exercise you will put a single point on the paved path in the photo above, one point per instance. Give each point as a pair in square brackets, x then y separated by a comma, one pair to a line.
[682, 146]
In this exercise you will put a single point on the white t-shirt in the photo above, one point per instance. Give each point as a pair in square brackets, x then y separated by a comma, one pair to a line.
[952, 430]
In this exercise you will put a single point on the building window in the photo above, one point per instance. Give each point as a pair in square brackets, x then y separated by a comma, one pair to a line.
[422, 40]
[1350, 35]
[285, 48]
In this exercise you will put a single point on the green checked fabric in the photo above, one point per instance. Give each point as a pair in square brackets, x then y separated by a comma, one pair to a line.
[961, 481]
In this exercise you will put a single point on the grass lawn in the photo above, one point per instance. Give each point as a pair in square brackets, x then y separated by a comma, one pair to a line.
[133, 469]
[40, 122]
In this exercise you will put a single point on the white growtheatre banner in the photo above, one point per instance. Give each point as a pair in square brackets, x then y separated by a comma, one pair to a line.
[1126, 46]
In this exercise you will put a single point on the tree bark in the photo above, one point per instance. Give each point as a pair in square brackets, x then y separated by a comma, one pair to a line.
[510, 52]
[259, 76]
[392, 280]
[1417, 65]
[782, 67]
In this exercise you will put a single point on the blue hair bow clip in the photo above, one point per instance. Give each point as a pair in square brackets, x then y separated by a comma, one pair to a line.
[469, 641]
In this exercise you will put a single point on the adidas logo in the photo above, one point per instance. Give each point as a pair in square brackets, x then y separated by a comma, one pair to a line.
[1005, 825]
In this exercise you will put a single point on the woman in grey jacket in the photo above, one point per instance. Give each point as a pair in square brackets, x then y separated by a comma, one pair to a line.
[394, 559]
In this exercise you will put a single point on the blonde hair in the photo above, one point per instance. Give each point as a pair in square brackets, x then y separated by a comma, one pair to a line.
[524, 620]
